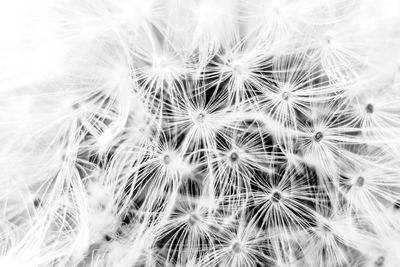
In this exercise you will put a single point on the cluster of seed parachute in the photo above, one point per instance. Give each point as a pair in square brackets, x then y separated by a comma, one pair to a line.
[226, 133]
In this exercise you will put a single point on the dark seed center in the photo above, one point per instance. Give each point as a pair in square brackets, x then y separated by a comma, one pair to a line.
[276, 196]
[236, 247]
[167, 159]
[325, 228]
[193, 219]
[318, 136]
[285, 96]
[369, 108]
[379, 261]
[200, 117]
[360, 181]
[37, 202]
[234, 157]
[328, 38]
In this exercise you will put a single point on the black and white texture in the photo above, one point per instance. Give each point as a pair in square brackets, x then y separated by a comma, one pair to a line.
[215, 133]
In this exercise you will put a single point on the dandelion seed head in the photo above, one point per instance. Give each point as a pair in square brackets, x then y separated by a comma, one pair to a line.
[199, 133]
